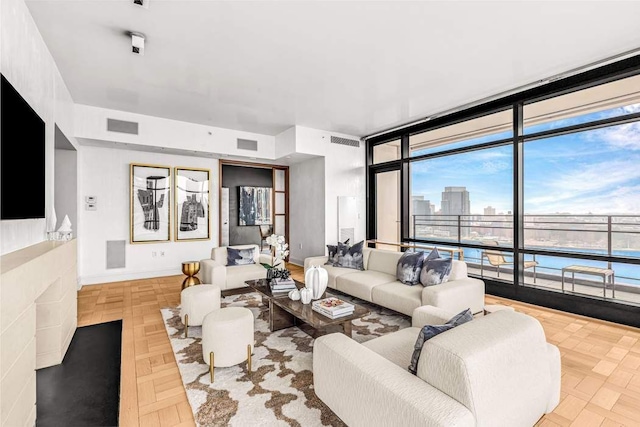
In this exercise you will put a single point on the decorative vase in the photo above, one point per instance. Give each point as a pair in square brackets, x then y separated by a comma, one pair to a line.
[294, 295]
[316, 278]
[271, 273]
[305, 295]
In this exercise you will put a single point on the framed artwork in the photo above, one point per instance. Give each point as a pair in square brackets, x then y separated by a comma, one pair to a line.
[255, 206]
[193, 190]
[150, 203]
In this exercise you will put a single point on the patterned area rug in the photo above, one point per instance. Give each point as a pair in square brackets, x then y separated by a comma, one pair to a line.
[279, 391]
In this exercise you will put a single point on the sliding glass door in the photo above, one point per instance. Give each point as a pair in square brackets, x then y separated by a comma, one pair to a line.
[388, 209]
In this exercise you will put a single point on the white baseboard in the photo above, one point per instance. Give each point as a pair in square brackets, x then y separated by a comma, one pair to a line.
[121, 277]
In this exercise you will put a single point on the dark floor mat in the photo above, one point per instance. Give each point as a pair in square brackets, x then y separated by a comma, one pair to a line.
[85, 389]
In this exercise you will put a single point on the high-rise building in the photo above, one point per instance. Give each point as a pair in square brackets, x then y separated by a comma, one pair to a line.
[489, 210]
[455, 201]
[421, 206]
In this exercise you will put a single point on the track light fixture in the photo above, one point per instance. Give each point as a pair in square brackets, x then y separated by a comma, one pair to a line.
[142, 3]
[137, 43]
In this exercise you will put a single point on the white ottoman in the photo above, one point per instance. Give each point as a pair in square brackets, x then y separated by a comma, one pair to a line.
[227, 338]
[196, 302]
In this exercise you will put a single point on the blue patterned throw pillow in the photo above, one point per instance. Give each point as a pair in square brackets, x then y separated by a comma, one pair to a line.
[430, 331]
[434, 254]
[351, 256]
[333, 254]
[240, 256]
[409, 267]
[436, 271]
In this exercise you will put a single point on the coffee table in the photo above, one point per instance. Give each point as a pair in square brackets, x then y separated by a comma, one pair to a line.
[285, 313]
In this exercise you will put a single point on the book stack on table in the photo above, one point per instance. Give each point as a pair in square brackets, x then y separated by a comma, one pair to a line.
[282, 286]
[333, 307]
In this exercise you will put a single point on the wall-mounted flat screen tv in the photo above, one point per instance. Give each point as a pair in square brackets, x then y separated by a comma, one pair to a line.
[22, 157]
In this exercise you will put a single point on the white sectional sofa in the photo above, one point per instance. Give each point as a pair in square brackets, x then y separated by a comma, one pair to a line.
[497, 370]
[215, 271]
[378, 284]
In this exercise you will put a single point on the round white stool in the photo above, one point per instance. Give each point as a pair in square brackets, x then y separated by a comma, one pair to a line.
[196, 302]
[227, 338]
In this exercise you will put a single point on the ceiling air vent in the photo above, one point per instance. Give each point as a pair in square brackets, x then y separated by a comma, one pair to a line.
[114, 125]
[247, 144]
[345, 141]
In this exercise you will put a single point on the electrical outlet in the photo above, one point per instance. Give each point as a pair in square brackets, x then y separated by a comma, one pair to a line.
[300, 246]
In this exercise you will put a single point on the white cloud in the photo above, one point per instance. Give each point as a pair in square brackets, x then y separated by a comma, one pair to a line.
[495, 166]
[604, 187]
[626, 136]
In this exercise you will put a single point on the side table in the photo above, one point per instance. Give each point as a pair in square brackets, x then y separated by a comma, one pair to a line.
[190, 268]
[604, 273]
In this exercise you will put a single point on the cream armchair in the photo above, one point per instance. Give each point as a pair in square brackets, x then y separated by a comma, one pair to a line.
[497, 370]
[215, 271]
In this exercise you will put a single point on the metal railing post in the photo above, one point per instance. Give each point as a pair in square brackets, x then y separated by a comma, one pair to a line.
[609, 240]
[459, 229]
[414, 226]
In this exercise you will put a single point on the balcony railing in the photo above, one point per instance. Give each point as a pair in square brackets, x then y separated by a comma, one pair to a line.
[615, 236]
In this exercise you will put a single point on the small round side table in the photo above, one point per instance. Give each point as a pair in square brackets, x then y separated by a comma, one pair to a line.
[190, 268]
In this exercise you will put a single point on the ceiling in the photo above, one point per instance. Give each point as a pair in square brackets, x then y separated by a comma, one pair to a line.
[352, 67]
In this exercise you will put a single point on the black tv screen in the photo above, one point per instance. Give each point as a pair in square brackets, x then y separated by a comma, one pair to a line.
[22, 157]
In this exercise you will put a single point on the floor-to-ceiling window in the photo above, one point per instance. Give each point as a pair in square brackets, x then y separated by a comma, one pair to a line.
[581, 190]
[540, 190]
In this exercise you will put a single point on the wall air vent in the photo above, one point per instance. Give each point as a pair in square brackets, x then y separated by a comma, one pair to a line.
[247, 144]
[345, 141]
[121, 126]
[116, 256]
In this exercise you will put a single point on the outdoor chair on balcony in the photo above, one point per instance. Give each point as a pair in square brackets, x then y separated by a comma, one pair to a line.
[497, 259]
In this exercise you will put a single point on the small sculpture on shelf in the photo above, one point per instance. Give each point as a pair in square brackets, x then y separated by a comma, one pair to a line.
[52, 220]
[65, 232]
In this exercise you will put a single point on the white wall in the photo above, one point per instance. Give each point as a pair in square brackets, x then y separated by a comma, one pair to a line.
[345, 175]
[285, 143]
[306, 209]
[66, 186]
[91, 123]
[105, 174]
[28, 65]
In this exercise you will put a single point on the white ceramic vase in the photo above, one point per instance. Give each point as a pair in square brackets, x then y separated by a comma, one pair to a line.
[316, 278]
[294, 295]
[305, 295]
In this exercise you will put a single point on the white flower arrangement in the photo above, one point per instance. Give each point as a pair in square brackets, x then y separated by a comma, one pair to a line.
[279, 250]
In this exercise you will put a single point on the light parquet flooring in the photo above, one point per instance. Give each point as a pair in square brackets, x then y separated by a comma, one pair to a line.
[600, 360]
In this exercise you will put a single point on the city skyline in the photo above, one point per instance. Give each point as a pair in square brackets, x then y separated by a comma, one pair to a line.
[588, 172]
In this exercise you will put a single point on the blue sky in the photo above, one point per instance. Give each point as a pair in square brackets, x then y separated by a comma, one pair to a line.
[589, 172]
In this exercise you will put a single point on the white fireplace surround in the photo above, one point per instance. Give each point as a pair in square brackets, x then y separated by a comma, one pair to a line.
[38, 317]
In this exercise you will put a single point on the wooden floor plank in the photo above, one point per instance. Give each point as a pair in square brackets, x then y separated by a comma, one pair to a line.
[600, 360]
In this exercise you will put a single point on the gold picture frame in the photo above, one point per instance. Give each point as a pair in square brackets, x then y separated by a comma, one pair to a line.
[192, 196]
[150, 203]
